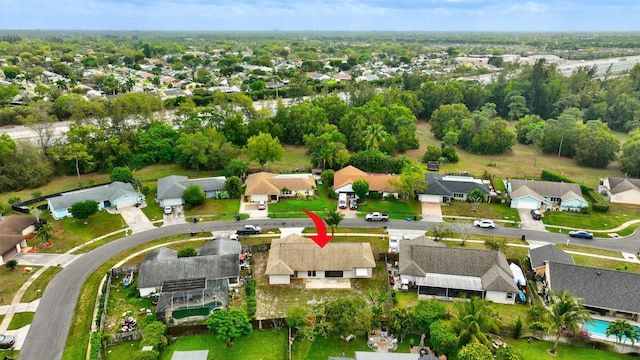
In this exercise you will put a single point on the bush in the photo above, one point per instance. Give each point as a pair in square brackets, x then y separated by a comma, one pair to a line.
[517, 328]
[187, 252]
[252, 304]
[96, 345]
[375, 195]
[11, 264]
[147, 355]
[154, 335]
[551, 176]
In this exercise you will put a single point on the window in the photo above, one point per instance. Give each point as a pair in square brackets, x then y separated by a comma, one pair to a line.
[556, 200]
[311, 273]
[333, 274]
[287, 192]
[458, 195]
[509, 296]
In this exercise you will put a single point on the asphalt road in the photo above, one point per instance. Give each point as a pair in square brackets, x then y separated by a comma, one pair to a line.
[48, 333]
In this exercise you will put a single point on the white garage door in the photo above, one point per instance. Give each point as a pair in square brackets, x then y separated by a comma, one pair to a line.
[256, 198]
[126, 203]
[527, 204]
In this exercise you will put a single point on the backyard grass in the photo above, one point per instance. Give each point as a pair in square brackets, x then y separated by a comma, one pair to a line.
[275, 300]
[293, 157]
[12, 281]
[20, 320]
[616, 216]
[484, 211]
[125, 300]
[539, 350]
[182, 243]
[321, 348]
[36, 289]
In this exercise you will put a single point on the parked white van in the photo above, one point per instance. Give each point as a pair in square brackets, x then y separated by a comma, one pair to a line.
[342, 201]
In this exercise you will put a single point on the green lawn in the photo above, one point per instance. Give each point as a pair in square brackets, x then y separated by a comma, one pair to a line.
[215, 207]
[396, 209]
[37, 287]
[320, 202]
[12, 281]
[20, 320]
[322, 348]
[484, 211]
[616, 216]
[539, 350]
[605, 263]
[70, 232]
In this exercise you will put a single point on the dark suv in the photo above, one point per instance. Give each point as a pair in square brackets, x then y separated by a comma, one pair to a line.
[353, 204]
[535, 214]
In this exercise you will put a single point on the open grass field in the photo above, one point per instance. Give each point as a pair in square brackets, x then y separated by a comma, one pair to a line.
[70, 232]
[606, 263]
[395, 208]
[225, 207]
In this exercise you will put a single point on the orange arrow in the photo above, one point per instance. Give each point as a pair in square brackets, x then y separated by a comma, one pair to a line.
[322, 238]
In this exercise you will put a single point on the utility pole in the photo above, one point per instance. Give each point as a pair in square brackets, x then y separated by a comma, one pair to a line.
[290, 342]
[560, 147]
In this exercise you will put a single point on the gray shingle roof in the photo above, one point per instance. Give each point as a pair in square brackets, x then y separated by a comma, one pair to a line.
[11, 229]
[548, 253]
[220, 247]
[490, 266]
[619, 184]
[171, 187]
[154, 273]
[446, 186]
[599, 288]
[109, 192]
[564, 191]
[162, 253]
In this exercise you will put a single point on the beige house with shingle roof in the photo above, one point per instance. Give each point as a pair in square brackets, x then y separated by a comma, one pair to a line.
[344, 178]
[297, 257]
[264, 186]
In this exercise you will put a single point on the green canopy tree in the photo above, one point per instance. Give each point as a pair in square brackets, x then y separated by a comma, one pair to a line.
[333, 219]
[123, 174]
[361, 188]
[233, 186]
[193, 195]
[443, 338]
[264, 148]
[83, 209]
[598, 146]
[475, 351]
[349, 316]
[229, 325]
[426, 313]
[474, 319]
[630, 158]
[400, 322]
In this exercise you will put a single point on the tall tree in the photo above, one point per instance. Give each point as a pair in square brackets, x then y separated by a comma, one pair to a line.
[373, 135]
[598, 147]
[400, 322]
[349, 316]
[409, 184]
[361, 188]
[565, 312]
[193, 195]
[229, 325]
[630, 158]
[426, 313]
[264, 148]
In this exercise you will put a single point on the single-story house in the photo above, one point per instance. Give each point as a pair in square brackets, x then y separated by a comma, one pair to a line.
[344, 178]
[116, 194]
[540, 255]
[443, 273]
[265, 186]
[546, 195]
[297, 257]
[170, 188]
[13, 234]
[613, 291]
[620, 190]
[443, 189]
[189, 288]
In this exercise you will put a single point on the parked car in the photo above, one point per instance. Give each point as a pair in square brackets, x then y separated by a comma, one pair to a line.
[484, 223]
[376, 216]
[168, 209]
[6, 341]
[262, 205]
[249, 230]
[536, 214]
[353, 204]
[581, 234]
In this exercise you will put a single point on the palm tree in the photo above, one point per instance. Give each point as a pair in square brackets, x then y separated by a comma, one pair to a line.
[373, 135]
[333, 219]
[474, 320]
[621, 328]
[565, 312]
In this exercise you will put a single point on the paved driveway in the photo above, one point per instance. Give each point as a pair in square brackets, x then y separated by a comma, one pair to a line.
[135, 218]
[431, 212]
[176, 216]
[528, 222]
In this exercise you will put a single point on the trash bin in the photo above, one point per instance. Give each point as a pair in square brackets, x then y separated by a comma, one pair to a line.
[415, 217]
[523, 238]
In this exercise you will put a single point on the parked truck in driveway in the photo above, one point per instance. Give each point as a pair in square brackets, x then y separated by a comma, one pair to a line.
[377, 216]
[249, 230]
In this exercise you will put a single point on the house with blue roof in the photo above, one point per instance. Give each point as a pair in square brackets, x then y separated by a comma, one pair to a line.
[116, 195]
[170, 188]
[443, 189]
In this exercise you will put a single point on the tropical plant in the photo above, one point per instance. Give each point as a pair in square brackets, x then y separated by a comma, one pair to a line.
[622, 329]
[565, 312]
[475, 319]
[333, 219]
[475, 351]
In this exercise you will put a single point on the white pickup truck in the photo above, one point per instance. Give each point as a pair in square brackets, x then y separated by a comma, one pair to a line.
[249, 230]
[376, 216]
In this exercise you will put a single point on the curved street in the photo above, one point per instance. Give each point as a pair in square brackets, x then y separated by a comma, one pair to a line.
[48, 333]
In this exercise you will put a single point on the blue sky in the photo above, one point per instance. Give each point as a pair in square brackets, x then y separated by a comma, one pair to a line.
[401, 15]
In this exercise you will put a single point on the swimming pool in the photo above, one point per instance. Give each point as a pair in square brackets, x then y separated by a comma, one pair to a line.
[599, 327]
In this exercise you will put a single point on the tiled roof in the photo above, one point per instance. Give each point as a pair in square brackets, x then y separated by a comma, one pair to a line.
[377, 182]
